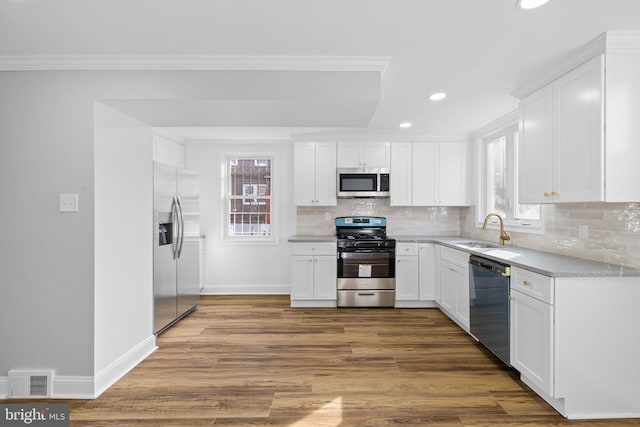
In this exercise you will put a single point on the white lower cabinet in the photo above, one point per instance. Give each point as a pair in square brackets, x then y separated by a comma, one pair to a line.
[429, 274]
[415, 275]
[532, 339]
[454, 284]
[531, 322]
[572, 342]
[313, 275]
[407, 273]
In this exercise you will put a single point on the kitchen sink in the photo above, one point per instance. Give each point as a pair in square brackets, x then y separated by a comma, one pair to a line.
[477, 245]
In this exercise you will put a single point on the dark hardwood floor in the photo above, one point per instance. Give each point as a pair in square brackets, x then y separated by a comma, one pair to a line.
[254, 361]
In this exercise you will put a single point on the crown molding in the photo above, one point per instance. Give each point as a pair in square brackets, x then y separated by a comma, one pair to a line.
[508, 120]
[192, 63]
[606, 43]
[379, 137]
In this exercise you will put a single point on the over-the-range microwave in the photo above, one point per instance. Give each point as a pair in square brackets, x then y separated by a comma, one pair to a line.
[363, 182]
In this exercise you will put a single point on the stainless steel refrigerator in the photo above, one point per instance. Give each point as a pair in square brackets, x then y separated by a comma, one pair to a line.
[176, 246]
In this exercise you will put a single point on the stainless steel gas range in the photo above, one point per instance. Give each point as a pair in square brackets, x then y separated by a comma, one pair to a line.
[366, 262]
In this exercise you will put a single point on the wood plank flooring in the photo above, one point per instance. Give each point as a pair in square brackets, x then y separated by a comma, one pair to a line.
[254, 361]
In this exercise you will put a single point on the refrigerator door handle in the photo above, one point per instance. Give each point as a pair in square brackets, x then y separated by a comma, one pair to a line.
[175, 221]
[181, 219]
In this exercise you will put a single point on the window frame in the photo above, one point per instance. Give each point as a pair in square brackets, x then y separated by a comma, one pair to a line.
[508, 127]
[226, 160]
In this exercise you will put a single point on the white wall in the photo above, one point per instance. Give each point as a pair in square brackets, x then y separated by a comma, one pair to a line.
[239, 267]
[47, 259]
[123, 291]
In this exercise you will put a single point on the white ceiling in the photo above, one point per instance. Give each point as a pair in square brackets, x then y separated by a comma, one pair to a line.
[478, 51]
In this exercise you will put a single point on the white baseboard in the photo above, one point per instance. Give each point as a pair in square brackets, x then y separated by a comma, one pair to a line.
[314, 303]
[119, 368]
[72, 387]
[87, 387]
[277, 289]
[416, 304]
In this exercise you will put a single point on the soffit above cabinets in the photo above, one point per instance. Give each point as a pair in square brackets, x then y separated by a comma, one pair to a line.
[259, 98]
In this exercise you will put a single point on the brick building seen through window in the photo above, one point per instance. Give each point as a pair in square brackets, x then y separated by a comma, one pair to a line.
[249, 196]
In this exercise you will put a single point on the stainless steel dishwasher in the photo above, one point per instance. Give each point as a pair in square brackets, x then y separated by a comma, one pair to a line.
[489, 304]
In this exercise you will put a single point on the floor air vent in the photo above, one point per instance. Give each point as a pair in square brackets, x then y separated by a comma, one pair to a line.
[26, 384]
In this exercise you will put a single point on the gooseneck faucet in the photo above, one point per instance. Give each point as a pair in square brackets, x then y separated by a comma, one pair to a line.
[503, 234]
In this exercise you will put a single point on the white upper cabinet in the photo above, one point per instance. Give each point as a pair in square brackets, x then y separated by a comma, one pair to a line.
[168, 152]
[578, 160]
[424, 170]
[579, 132]
[535, 146]
[364, 155]
[314, 169]
[562, 130]
[401, 179]
[451, 188]
[429, 174]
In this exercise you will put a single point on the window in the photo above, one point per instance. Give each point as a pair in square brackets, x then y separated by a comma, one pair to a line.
[499, 181]
[248, 190]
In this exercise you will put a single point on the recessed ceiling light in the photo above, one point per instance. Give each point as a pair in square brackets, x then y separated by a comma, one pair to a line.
[405, 125]
[438, 96]
[530, 4]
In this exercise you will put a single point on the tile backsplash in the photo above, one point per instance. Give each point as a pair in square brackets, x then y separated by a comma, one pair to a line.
[401, 221]
[607, 232]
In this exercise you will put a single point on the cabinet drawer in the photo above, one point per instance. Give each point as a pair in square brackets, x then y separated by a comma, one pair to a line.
[314, 248]
[533, 284]
[406, 249]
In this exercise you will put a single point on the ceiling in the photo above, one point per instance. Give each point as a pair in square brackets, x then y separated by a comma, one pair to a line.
[478, 51]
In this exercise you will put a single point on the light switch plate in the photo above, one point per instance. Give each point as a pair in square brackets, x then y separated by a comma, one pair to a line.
[68, 203]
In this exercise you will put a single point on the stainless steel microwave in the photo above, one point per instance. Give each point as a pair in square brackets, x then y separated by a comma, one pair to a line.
[363, 182]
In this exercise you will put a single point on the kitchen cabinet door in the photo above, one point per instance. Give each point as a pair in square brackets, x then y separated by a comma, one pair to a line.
[578, 163]
[561, 147]
[376, 155]
[440, 174]
[535, 147]
[454, 281]
[437, 291]
[425, 174]
[452, 173]
[407, 278]
[532, 334]
[302, 277]
[461, 277]
[314, 170]
[448, 286]
[428, 273]
[304, 172]
[325, 174]
[324, 278]
[364, 155]
[401, 174]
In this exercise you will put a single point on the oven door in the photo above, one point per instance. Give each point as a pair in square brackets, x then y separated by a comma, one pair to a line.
[366, 269]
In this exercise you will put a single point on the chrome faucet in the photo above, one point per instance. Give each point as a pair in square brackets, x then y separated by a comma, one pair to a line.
[503, 235]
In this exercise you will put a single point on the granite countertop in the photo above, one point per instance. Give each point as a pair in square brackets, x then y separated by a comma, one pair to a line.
[546, 263]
